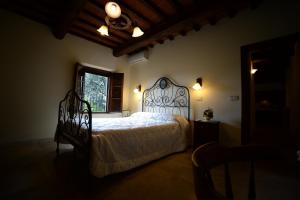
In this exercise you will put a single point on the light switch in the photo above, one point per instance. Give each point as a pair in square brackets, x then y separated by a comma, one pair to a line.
[234, 98]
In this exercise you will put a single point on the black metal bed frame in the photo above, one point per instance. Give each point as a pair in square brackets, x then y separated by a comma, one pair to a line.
[74, 124]
[167, 97]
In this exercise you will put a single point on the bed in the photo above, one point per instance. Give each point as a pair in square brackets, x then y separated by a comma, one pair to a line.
[114, 145]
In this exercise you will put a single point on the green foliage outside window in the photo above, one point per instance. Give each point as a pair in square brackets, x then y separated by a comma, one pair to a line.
[95, 91]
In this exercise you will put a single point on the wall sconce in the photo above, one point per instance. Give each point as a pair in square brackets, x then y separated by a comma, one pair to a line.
[138, 89]
[198, 84]
[253, 71]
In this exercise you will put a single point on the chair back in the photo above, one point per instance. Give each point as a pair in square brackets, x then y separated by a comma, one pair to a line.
[211, 155]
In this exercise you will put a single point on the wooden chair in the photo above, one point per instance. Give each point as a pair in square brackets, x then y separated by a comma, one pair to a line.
[211, 155]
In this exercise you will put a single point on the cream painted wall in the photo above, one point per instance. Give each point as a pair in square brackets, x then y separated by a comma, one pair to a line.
[37, 69]
[213, 53]
[36, 72]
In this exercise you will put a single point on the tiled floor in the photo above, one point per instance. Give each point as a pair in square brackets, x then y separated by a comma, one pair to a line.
[30, 171]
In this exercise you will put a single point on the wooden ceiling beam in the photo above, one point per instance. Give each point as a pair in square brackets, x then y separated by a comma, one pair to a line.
[187, 20]
[212, 20]
[163, 29]
[94, 7]
[52, 4]
[95, 27]
[132, 14]
[153, 15]
[38, 7]
[197, 27]
[255, 3]
[71, 11]
[232, 12]
[88, 35]
[26, 11]
[171, 37]
[78, 34]
[94, 31]
[155, 8]
[177, 6]
[160, 41]
[183, 32]
[45, 8]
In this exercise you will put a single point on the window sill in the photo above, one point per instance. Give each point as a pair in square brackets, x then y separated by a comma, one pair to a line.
[107, 115]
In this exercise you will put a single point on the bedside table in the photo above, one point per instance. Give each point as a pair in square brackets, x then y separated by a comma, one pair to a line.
[125, 113]
[205, 131]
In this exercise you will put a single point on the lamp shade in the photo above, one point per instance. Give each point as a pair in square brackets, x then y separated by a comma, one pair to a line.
[253, 71]
[137, 89]
[198, 84]
[112, 9]
[103, 30]
[137, 32]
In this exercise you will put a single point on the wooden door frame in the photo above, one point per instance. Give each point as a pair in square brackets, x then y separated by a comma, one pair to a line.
[246, 77]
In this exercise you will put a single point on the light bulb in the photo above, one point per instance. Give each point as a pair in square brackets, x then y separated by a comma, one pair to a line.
[253, 71]
[137, 32]
[196, 86]
[112, 9]
[103, 30]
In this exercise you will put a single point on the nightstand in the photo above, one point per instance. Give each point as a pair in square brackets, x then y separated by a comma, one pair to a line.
[205, 131]
[125, 113]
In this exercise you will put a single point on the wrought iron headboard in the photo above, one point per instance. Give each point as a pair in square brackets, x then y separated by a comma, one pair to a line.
[167, 97]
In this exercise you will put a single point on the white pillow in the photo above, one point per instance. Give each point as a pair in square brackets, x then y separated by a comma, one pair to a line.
[154, 116]
[142, 114]
[163, 116]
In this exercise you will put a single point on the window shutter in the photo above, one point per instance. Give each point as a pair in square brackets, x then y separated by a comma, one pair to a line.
[116, 92]
[78, 79]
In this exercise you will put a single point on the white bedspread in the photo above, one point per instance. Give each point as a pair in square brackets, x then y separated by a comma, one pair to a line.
[120, 144]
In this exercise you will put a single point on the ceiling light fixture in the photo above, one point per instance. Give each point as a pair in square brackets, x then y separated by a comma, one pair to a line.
[116, 20]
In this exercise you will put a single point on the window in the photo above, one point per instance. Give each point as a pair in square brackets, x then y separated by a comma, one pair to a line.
[95, 91]
[102, 89]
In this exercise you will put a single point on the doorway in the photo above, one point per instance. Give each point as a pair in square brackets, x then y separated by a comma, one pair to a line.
[270, 91]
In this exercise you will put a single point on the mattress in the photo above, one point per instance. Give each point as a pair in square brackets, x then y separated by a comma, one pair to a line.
[120, 144]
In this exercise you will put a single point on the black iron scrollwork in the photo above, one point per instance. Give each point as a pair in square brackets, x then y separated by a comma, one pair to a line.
[163, 83]
[166, 97]
[75, 121]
